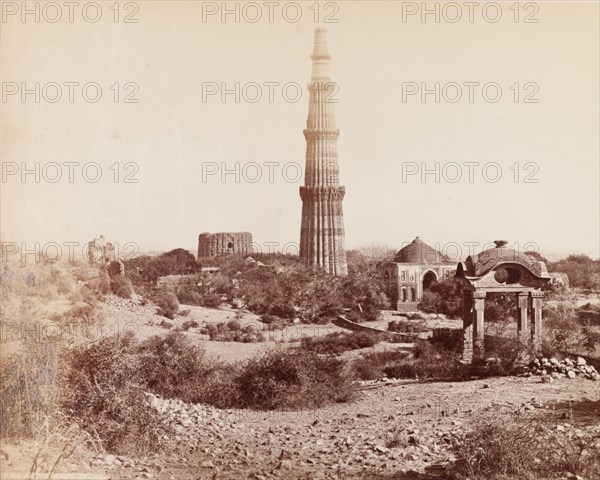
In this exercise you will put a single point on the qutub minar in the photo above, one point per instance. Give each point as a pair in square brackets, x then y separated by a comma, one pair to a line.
[322, 232]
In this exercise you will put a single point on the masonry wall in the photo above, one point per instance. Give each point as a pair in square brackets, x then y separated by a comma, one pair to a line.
[224, 243]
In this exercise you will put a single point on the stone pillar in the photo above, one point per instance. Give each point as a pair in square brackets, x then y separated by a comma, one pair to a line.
[467, 353]
[536, 320]
[523, 328]
[478, 322]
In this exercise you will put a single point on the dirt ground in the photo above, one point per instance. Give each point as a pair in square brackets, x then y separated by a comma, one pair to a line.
[345, 440]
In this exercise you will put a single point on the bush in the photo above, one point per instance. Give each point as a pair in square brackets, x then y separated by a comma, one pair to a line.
[172, 367]
[121, 286]
[583, 272]
[339, 342]
[105, 396]
[166, 301]
[405, 327]
[366, 369]
[28, 389]
[233, 332]
[189, 324]
[522, 448]
[103, 285]
[282, 379]
[508, 354]
[427, 361]
[234, 325]
[443, 297]
[187, 297]
[211, 301]
[448, 338]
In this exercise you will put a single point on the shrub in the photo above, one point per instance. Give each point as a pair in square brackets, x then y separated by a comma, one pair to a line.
[145, 270]
[189, 324]
[103, 283]
[28, 389]
[339, 342]
[581, 270]
[274, 322]
[281, 379]
[405, 327]
[234, 325]
[211, 301]
[448, 338]
[168, 363]
[591, 339]
[427, 361]
[366, 369]
[233, 332]
[269, 319]
[121, 286]
[173, 367]
[189, 297]
[443, 297]
[522, 448]
[508, 353]
[589, 314]
[167, 303]
[105, 397]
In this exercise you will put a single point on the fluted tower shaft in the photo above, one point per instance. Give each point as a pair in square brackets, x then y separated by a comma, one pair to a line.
[322, 232]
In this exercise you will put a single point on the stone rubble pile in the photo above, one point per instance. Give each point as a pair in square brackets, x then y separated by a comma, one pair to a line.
[552, 369]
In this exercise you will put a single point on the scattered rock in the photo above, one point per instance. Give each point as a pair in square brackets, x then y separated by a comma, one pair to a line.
[559, 369]
[285, 465]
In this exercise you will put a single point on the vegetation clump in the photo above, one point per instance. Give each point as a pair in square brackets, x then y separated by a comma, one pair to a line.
[340, 342]
[521, 448]
[282, 379]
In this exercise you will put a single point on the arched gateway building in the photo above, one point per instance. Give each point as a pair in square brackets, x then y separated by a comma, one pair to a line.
[413, 269]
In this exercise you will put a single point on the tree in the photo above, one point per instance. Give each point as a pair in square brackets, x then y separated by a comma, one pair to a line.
[583, 272]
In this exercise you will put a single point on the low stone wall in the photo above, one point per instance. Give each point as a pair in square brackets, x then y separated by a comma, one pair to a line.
[343, 322]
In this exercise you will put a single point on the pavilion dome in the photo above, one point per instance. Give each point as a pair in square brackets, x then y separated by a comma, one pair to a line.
[481, 263]
[419, 252]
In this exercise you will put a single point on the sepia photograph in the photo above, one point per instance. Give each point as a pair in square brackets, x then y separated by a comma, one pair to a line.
[304, 240]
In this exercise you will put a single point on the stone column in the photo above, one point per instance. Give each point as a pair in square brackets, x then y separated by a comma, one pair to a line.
[523, 330]
[478, 322]
[536, 321]
[467, 353]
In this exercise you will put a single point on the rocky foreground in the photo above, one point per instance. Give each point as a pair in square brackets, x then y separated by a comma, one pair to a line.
[395, 430]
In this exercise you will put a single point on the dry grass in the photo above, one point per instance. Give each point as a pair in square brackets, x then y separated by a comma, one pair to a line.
[519, 447]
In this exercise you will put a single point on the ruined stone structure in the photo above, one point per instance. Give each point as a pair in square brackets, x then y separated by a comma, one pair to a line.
[500, 270]
[115, 267]
[322, 232]
[414, 268]
[100, 252]
[224, 243]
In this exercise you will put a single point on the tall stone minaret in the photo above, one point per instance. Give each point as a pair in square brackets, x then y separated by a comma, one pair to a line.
[322, 232]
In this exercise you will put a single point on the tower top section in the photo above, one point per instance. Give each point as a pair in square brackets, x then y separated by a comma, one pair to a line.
[320, 56]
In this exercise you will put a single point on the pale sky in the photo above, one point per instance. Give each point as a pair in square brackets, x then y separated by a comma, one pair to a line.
[171, 134]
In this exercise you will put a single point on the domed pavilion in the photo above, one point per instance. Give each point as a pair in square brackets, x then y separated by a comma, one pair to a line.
[414, 268]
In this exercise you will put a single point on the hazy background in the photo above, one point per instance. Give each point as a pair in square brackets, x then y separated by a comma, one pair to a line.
[170, 52]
